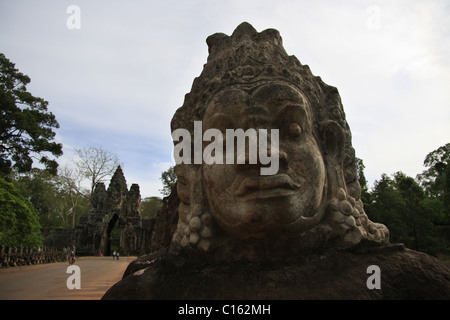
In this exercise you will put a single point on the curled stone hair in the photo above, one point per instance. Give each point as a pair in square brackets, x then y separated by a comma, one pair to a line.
[248, 58]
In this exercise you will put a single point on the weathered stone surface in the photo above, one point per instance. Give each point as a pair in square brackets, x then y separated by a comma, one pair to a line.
[117, 205]
[333, 274]
[250, 82]
[165, 223]
[109, 207]
[302, 233]
[58, 238]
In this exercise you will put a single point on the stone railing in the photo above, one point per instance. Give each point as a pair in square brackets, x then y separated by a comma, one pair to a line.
[13, 257]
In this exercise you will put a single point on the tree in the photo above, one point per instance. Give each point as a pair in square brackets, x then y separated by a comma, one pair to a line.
[386, 206]
[38, 186]
[150, 207]
[57, 199]
[401, 204]
[26, 126]
[95, 164]
[436, 180]
[168, 178]
[415, 216]
[70, 184]
[19, 225]
[416, 211]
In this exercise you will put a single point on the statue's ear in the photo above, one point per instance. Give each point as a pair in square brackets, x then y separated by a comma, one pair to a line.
[333, 135]
[334, 149]
[182, 183]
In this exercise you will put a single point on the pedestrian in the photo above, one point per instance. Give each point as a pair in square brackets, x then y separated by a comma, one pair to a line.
[114, 255]
[117, 255]
[72, 258]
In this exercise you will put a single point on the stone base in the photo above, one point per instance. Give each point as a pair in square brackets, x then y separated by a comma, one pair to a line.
[333, 274]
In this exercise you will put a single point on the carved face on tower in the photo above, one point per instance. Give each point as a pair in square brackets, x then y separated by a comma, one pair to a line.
[250, 83]
[242, 201]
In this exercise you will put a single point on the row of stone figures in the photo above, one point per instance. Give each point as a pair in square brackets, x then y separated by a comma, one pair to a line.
[13, 256]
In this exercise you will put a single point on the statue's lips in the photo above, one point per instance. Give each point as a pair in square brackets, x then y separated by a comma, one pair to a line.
[250, 185]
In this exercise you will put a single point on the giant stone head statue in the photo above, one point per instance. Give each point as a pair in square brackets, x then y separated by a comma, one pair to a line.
[312, 199]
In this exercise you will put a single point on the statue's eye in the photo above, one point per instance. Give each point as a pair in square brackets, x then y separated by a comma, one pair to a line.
[295, 130]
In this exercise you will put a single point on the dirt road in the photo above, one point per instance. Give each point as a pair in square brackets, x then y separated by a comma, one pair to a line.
[49, 281]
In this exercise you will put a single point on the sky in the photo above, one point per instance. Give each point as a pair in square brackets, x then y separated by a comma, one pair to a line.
[114, 72]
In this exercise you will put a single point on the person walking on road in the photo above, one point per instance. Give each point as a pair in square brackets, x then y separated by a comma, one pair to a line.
[117, 255]
[114, 255]
[72, 258]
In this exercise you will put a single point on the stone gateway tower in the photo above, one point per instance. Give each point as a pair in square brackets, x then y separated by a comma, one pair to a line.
[115, 207]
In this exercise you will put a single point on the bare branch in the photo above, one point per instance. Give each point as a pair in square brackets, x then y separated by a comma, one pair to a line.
[95, 164]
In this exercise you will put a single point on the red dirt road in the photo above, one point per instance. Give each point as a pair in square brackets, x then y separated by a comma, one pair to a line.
[49, 281]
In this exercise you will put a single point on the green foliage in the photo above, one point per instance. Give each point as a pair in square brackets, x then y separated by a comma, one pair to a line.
[19, 225]
[436, 180]
[386, 207]
[169, 179]
[52, 197]
[26, 127]
[150, 207]
[400, 203]
[412, 209]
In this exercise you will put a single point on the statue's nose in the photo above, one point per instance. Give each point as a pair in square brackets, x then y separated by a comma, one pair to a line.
[248, 160]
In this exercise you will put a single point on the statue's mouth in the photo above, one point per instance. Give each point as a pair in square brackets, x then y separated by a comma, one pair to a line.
[264, 186]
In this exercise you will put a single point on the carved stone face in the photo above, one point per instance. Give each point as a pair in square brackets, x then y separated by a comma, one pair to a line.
[245, 203]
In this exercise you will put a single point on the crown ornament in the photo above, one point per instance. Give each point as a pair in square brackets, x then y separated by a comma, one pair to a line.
[246, 58]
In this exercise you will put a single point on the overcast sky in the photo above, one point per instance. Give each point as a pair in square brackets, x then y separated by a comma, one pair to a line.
[117, 80]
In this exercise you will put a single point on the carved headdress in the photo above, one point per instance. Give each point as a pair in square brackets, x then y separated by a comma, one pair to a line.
[244, 58]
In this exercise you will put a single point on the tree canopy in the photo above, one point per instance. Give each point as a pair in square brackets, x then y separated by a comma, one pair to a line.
[414, 210]
[150, 207]
[19, 223]
[26, 126]
[56, 198]
[436, 179]
[168, 178]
